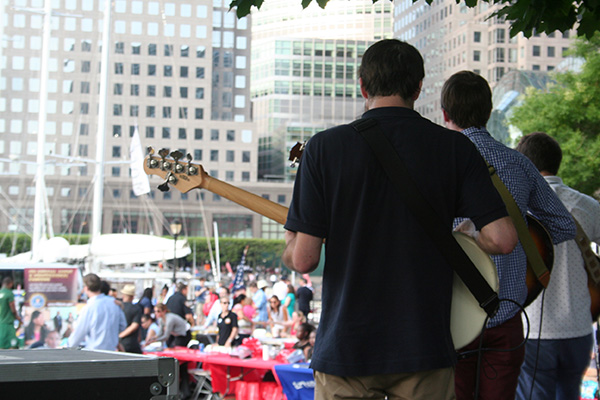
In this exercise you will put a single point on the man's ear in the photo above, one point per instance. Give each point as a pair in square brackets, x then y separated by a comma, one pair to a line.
[446, 117]
[363, 91]
[418, 92]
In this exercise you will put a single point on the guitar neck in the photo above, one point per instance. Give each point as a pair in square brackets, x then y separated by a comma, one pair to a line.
[260, 205]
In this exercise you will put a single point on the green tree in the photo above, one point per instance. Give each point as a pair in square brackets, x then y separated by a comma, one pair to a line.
[569, 111]
[524, 15]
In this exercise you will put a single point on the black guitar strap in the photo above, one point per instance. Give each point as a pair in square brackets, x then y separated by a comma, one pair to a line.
[448, 246]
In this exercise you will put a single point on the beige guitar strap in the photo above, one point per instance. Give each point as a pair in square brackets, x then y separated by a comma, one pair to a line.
[533, 256]
[589, 257]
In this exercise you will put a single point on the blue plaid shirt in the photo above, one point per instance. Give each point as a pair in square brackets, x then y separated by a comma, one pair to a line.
[531, 193]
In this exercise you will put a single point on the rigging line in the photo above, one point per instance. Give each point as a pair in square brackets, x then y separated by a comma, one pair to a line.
[160, 217]
[77, 211]
[183, 218]
[147, 213]
[206, 234]
[22, 218]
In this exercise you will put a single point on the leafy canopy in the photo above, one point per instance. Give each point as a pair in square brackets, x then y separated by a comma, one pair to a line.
[569, 111]
[524, 15]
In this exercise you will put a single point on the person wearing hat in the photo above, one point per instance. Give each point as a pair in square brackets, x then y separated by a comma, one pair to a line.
[260, 301]
[129, 338]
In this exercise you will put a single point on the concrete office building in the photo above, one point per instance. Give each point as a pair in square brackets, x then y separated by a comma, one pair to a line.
[178, 72]
[453, 37]
[304, 71]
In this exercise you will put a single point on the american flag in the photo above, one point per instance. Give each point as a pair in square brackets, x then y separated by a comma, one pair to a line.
[238, 281]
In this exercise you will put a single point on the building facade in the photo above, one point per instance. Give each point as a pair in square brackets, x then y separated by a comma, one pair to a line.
[304, 72]
[453, 37]
[178, 73]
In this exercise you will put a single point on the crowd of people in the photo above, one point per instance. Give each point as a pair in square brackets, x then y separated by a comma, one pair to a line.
[119, 320]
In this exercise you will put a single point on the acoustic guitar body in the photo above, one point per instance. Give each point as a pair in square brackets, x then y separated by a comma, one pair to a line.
[542, 240]
[543, 243]
[594, 296]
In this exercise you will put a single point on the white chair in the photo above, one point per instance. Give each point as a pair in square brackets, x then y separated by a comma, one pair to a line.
[203, 388]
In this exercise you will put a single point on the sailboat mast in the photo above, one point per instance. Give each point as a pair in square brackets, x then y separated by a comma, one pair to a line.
[101, 132]
[39, 211]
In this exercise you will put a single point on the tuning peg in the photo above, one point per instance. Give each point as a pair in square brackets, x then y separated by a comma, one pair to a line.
[163, 187]
[177, 155]
[170, 179]
[191, 168]
[151, 162]
[296, 153]
[165, 165]
[163, 153]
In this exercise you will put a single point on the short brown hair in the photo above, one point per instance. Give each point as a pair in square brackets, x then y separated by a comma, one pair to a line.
[543, 150]
[93, 282]
[181, 286]
[391, 67]
[467, 99]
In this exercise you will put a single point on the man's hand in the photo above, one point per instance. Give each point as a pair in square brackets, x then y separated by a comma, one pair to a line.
[468, 228]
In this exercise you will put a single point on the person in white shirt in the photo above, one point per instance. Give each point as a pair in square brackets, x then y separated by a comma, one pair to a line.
[280, 288]
[557, 353]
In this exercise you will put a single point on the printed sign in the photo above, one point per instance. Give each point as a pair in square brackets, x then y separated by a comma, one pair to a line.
[51, 286]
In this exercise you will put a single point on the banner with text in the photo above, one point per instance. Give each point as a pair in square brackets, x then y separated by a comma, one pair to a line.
[50, 286]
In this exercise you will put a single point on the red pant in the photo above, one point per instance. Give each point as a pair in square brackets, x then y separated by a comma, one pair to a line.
[499, 371]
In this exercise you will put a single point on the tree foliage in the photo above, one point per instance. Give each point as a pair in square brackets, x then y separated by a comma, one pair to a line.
[261, 252]
[569, 111]
[524, 15]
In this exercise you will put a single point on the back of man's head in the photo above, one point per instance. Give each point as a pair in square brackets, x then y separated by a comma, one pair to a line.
[104, 287]
[391, 67]
[181, 286]
[7, 281]
[543, 150]
[467, 99]
[93, 282]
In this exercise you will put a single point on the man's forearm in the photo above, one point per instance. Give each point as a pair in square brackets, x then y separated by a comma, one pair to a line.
[129, 330]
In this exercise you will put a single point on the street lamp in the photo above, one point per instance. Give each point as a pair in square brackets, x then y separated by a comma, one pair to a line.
[175, 231]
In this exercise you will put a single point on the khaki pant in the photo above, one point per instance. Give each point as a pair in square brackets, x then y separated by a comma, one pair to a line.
[425, 385]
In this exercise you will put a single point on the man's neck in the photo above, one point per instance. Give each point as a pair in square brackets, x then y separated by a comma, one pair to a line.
[387, 101]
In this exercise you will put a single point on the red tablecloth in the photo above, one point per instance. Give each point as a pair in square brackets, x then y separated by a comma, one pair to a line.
[231, 374]
[181, 353]
[226, 371]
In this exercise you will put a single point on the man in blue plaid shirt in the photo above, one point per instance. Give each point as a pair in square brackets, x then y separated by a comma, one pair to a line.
[467, 106]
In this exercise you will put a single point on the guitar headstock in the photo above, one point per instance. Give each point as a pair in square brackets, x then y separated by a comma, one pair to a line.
[183, 176]
[296, 153]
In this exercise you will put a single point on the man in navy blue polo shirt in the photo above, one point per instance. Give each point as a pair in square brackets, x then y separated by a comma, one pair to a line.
[385, 321]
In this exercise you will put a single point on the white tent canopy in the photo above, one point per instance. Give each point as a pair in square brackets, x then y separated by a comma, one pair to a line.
[111, 249]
